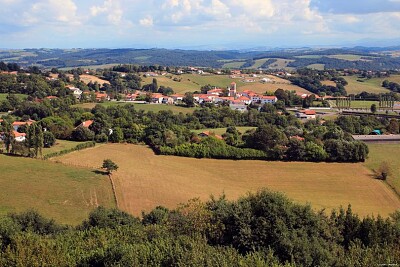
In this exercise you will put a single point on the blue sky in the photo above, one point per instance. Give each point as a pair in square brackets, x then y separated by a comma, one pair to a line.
[218, 24]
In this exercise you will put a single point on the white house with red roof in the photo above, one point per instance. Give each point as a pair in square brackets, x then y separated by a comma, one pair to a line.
[268, 99]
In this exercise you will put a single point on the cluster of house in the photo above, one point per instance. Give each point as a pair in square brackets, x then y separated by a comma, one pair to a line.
[78, 94]
[237, 101]
[19, 137]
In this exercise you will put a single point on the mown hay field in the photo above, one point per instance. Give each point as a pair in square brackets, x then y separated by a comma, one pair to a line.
[64, 193]
[144, 180]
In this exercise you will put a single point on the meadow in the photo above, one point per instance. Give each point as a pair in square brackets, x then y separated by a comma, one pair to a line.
[193, 82]
[144, 107]
[64, 193]
[379, 153]
[357, 85]
[145, 180]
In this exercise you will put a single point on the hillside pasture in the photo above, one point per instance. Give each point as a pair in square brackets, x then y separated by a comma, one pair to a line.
[64, 193]
[261, 88]
[91, 78]
[316, 66]
[357, 85]
[144, 180]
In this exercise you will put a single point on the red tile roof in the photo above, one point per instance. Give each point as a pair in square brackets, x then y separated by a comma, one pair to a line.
[86, 124]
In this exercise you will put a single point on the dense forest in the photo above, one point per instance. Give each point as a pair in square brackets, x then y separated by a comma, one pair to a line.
[261, 229]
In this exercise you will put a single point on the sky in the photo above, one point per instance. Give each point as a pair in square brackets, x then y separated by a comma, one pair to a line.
[197, 24]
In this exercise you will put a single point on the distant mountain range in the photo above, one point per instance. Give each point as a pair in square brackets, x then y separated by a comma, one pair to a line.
[366, 58]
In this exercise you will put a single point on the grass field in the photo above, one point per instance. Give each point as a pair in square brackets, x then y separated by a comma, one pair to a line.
[389, 153]
[90, 78]
[372, 85]
[233, 64]
[346, 57]
[364, 104]
[145, 107]
[316, 66]
[221, 131]
[261, 88]
[145, 180]
[60, 145]
[330, 83]
[193, 82]
[64, 193]
[20, 96]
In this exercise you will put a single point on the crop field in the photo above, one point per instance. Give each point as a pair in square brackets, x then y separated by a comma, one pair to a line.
[379, 153]
[144, 180]
[64, 193]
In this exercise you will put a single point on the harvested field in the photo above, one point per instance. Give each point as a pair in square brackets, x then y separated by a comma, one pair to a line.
[145, 180]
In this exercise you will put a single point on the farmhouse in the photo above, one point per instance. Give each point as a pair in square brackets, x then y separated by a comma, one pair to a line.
[306, 114]
[102, 96]
[157, 98]
[76, 91]
[268, 99]
[19, 137]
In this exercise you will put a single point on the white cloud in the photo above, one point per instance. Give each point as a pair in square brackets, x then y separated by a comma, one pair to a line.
[112, 9]
[147, 21]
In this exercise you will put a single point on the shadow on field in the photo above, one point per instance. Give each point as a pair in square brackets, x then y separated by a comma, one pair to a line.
[100, 172]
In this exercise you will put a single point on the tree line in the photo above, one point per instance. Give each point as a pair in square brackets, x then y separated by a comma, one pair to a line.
[260, 229]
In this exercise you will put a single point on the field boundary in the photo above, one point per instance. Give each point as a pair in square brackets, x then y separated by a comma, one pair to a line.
[114, 190]
[70, 150]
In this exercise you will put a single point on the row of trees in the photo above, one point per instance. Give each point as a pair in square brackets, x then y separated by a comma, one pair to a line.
[33, 144]
[261, 229]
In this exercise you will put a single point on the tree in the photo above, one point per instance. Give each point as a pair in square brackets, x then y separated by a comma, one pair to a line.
[48, 139]
[8, 135]
[82, 134]
[373, 108]
[110, 166]
[117, 135]
[383, 171]
[188, 99]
